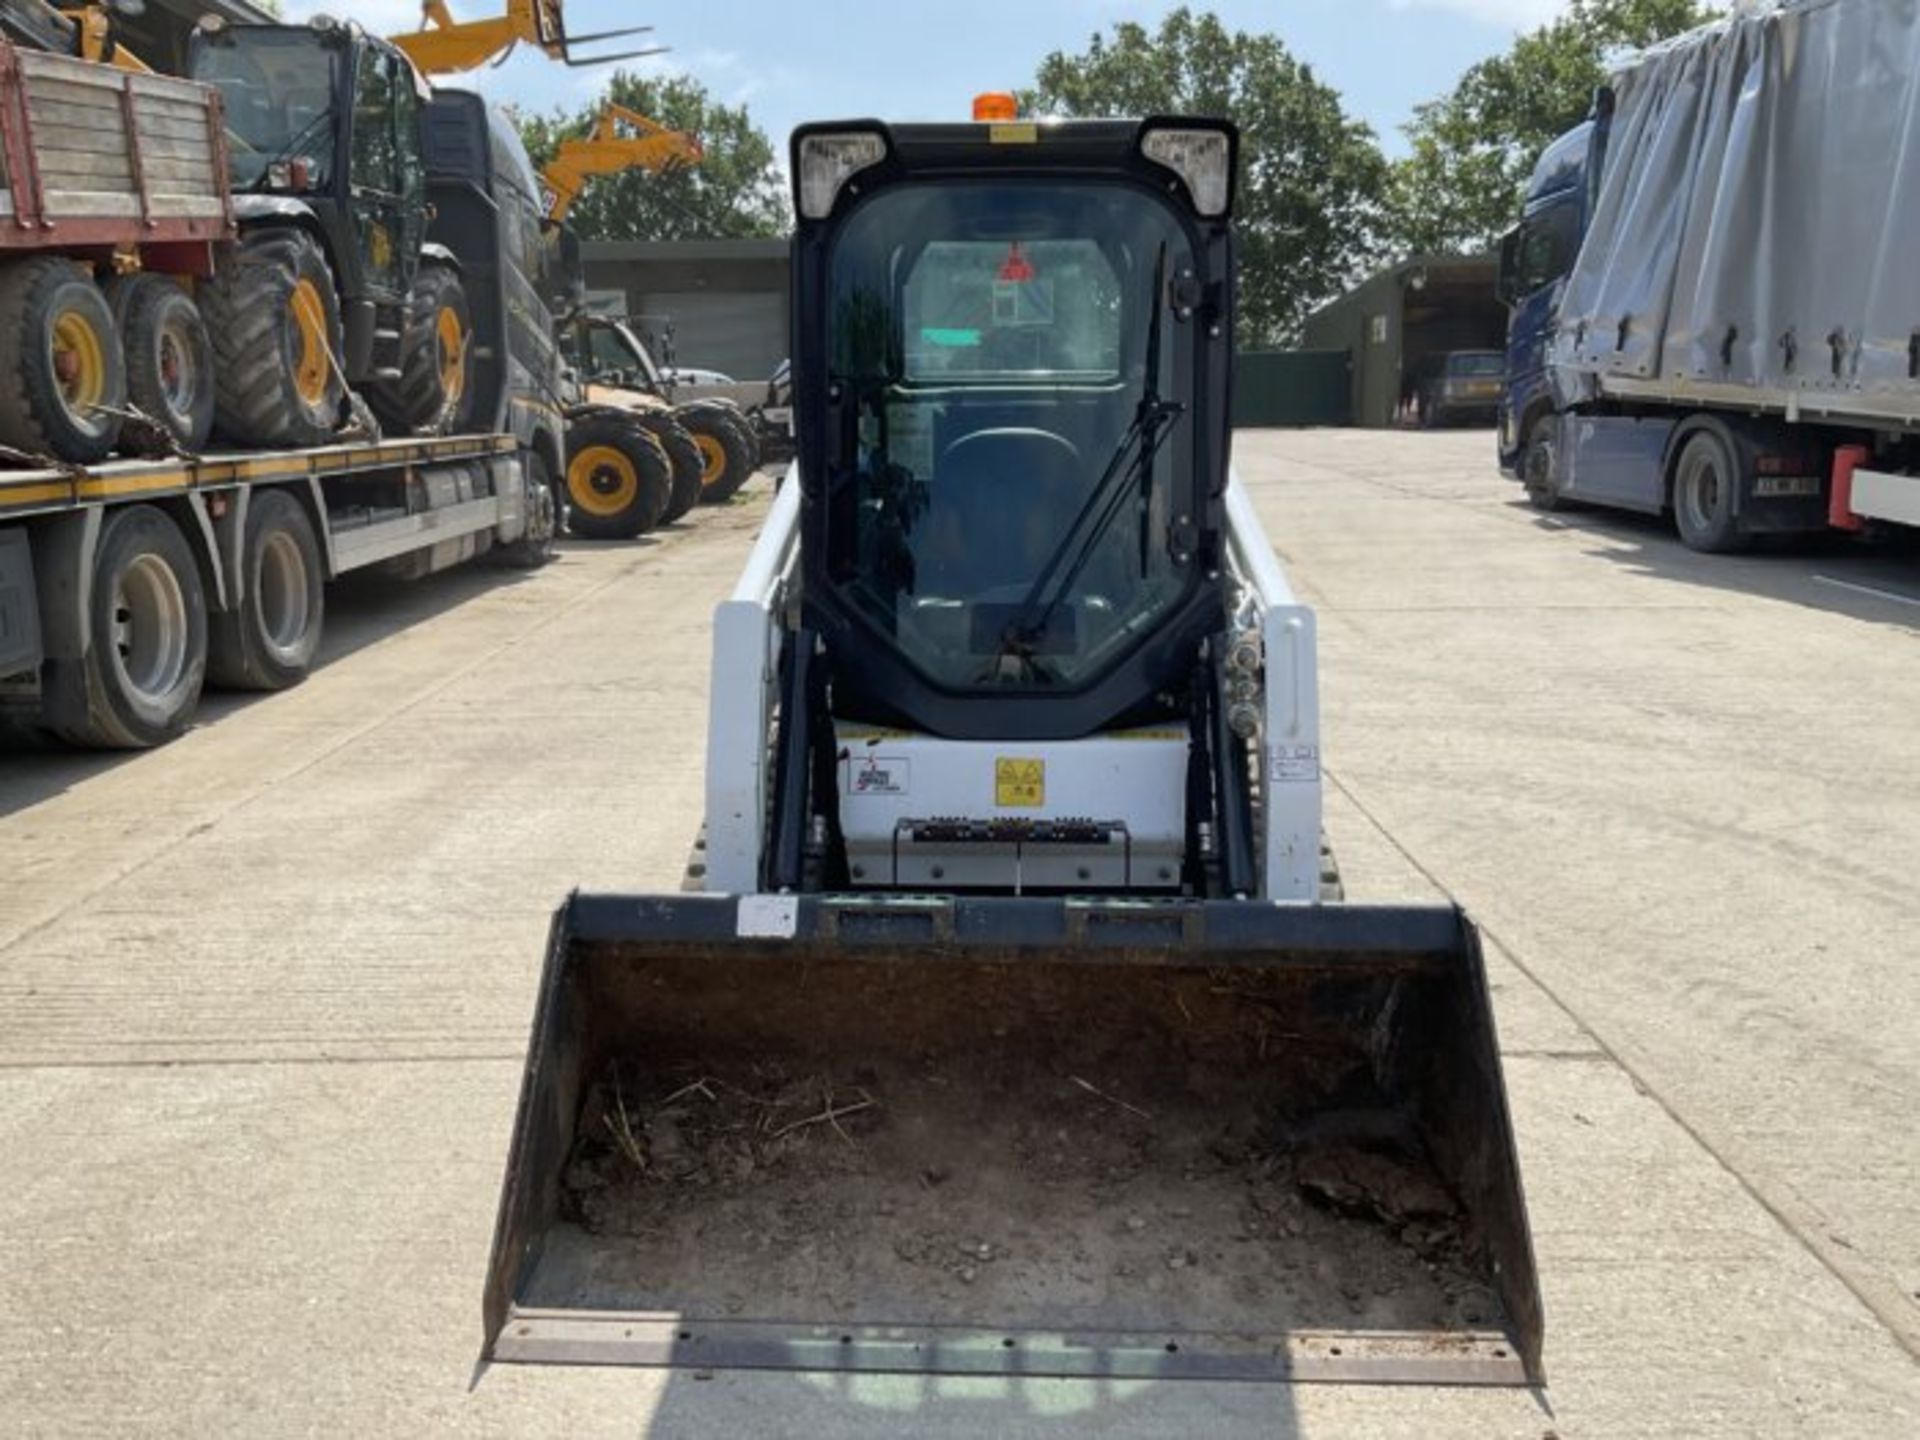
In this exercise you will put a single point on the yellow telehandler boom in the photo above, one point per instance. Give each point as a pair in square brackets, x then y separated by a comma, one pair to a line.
[621, 139]
[444, 45]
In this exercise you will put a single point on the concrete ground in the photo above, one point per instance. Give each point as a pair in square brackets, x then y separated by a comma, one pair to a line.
[263, 994]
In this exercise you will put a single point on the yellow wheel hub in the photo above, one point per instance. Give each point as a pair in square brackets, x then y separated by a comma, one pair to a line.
[310, 361]
[79, 362]
[453, 352]
[602, 481]
[713, 458]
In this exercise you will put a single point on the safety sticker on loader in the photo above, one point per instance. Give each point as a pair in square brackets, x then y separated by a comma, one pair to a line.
[1019, 782]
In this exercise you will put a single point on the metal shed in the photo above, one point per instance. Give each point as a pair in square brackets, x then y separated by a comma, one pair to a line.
[1395, 322]
[713, 304]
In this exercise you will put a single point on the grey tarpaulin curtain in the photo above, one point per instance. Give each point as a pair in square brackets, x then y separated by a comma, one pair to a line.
[1758, 217]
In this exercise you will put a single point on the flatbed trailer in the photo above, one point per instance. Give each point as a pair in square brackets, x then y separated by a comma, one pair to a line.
[126, 586]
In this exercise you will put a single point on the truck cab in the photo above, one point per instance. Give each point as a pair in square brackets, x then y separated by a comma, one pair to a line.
[1535, 257]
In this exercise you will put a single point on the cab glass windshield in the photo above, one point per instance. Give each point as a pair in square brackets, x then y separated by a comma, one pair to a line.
[996, 507]
[277, 86]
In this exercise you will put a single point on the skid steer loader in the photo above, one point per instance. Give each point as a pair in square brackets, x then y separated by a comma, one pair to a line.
[1015, 1029]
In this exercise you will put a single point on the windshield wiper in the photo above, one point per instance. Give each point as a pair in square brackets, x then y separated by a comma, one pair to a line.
[288, 150]
[1131, 461]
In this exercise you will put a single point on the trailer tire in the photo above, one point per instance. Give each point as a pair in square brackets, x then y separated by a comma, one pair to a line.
[63, 375]
[267, 641]
[1540, 465]
[726, 459]
[273, 312]
[619, 479]
[146, 659]
[435, 387]
[169, 364]
[1706, 481]
[535, 547]
[686, 459]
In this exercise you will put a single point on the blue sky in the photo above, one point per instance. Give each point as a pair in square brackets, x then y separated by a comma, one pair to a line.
[788, 60]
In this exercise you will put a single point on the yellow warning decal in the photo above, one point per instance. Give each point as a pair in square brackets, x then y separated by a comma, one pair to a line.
[1019, 782]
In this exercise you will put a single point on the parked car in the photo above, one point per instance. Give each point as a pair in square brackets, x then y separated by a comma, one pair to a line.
[1462, 388]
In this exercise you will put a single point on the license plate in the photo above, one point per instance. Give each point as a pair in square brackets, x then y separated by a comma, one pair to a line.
[1780, 487]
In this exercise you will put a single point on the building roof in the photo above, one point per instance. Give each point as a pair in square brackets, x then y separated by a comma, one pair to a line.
[662, 250]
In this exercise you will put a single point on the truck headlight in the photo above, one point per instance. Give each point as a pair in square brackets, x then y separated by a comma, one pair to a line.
[828, 161]
[1202, 158]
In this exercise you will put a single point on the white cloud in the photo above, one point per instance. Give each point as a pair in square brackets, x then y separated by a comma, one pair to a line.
[1511, 14]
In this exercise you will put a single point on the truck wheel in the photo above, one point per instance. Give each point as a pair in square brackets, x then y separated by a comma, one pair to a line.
[268, 641]
[169, 364]
[684, 455]
[273, 313]
[1705, 481]
[63, 376]
[146, 639]
[726, 461]
[431, 396]
[619, 479]
[535, 548]
[1540, 466]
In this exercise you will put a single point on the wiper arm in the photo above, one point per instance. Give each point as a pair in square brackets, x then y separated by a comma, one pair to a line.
[1132, 457]
[287, 150]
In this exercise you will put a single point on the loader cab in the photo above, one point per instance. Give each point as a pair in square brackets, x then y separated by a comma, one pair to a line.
[323, 126]
[1011, 361]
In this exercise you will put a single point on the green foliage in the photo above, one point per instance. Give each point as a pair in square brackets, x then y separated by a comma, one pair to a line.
[1473, 149]
[735, 192]
[1311, 178]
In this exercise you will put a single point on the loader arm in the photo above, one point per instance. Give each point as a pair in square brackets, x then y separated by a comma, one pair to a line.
[621, 139]
[444, 45]
[85, 31]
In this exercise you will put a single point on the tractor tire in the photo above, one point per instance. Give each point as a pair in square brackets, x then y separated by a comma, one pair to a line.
[273, 312]
[686, 459]
[743, 423]
[1706, 481]
[169, 365]
[434, 392]
[146, 658]
[619, 478]
[726, 459]
[63, 375]
[535, 548]
[268, 641]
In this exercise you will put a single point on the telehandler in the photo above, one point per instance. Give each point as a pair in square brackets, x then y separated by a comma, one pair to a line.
[1016, 1025]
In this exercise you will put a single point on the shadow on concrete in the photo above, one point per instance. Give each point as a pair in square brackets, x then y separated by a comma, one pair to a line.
[1876, 581]
[363, 609]
[849, 1406]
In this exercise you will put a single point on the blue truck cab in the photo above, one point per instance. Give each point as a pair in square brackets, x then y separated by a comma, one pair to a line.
[1535, 257]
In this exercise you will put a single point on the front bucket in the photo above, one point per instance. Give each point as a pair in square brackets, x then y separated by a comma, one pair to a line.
[1035, 1136]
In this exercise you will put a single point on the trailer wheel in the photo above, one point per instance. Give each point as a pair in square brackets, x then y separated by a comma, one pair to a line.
[169, 364]
[273, 313]
[268, 641]
[146, 654]
[726, 460]
[63, 376]
[431, 396]
[535, 548]
[1540, 466]
[684, 455]
[619, 479]
[1705, 485]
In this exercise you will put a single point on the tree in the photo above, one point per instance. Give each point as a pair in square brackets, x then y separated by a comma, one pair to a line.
[1311, 178]
[1473, 148]
[735, 191]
